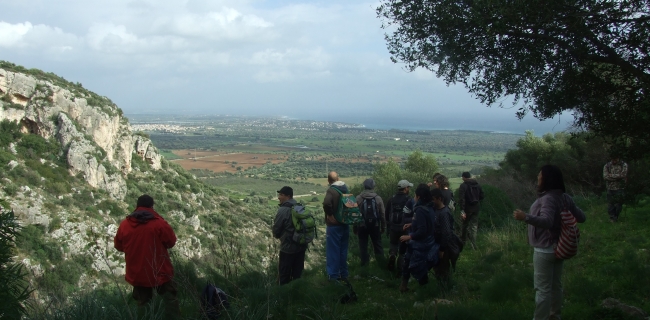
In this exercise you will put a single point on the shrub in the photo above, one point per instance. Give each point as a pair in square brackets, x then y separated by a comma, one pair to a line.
[11, 189]
[9, 132]
[14, 289]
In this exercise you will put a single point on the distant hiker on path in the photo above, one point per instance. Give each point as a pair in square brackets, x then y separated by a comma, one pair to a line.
[397, 215]
[144, 236]
[615, 175]
[337, 234]
[374, 222]
[292, 253]
[470, 194]
[544, 226]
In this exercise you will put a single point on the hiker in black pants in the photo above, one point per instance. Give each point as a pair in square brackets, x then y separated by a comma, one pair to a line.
[469, 195]
[374, 222]
[398, 213]
[292, 254]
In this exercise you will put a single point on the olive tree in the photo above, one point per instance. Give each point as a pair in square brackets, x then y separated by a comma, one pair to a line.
[589, 57]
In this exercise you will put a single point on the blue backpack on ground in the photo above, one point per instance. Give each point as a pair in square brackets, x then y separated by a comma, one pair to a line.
[213, 301]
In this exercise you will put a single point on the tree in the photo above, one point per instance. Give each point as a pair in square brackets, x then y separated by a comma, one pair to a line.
[591, 57]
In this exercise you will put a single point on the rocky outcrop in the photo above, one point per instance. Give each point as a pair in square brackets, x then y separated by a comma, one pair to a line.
[98, 140]
[631, 311]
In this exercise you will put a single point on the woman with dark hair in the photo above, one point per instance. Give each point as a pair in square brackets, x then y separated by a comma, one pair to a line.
[544, 226]
[422, 251]
[442, 183]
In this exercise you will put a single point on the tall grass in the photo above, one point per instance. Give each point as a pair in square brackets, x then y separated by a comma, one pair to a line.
[494, 282]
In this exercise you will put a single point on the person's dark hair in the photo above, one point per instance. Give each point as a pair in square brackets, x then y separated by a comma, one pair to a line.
[442, 181]
[423, 193]
[466, 175]
[436, 193]
[145, 200]
[435, 176]
[552, 179]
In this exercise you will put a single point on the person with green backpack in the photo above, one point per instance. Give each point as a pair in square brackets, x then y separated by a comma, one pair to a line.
[295, 228]
[339, 207]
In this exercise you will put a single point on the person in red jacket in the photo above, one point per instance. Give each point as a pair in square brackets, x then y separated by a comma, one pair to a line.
[144, 236]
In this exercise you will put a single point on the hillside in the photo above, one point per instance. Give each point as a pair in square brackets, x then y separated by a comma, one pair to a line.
[72, 168]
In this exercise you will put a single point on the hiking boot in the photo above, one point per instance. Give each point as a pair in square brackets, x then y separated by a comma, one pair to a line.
[403, 287]
[391, 262]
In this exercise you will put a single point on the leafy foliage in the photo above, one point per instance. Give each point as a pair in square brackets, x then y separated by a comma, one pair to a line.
[591, 57]
[14, 289]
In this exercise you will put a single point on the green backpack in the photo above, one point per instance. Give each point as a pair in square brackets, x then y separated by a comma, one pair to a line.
[348, 210]
[304, 223]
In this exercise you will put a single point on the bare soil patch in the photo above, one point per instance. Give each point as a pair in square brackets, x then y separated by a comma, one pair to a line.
[222, 161]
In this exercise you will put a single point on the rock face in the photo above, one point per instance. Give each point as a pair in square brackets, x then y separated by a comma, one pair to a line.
[97, 139]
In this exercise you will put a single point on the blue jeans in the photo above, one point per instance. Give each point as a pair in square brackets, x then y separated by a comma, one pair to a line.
[336, 249]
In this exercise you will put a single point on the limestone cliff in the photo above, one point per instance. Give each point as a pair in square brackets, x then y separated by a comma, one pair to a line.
[97, 139]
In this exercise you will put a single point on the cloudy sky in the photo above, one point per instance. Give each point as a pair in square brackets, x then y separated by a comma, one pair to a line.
[324, 60]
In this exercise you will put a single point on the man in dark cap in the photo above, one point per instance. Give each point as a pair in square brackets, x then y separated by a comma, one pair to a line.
[470, 194]
[292, 254]
[374, 222]
[399, 212]
[144, 236]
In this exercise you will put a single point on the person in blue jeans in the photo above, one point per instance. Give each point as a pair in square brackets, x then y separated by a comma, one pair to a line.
[337, 234]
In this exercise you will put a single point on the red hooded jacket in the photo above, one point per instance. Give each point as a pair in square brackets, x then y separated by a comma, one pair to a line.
[144, 236]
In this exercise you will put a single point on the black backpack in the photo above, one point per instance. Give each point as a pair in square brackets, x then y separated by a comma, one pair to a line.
[473, 194]
[397, 209]
[369, 211]
[213, 301]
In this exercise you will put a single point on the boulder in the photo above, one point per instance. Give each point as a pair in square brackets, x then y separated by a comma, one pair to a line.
[631, 311]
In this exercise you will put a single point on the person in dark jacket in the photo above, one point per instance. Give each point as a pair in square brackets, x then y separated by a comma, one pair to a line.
[397, 215]
[444, 235]
[544, 227]
[144, 237]
[337, 234]
[372, 227]
[292, 254]
[469, 211]
[420, 238]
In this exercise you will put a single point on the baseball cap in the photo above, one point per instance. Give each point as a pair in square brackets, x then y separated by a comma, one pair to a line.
[286, 190]
[404, 184]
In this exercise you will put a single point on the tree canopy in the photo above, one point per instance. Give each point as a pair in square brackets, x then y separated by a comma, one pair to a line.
[587, 56]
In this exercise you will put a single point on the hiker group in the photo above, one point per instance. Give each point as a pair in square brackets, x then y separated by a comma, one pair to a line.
[420, 229]
[420, 232]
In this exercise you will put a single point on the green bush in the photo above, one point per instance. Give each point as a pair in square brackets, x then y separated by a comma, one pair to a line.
[14, 288]
[11, 189]
[9, 132]
[34, 145]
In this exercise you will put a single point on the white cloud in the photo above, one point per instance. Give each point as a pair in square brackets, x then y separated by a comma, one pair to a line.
[40, 36]
[11, 35]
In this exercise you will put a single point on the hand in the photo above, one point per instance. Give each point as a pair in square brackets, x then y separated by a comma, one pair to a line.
[463, 215]
[429, 184]
[519, 215]
[404, 238]
[331, 219]
[406, 226]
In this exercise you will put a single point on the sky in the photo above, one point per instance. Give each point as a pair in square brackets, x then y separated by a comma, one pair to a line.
[318, 60]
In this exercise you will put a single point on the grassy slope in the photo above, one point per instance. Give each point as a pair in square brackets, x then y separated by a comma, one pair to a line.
[494, 282]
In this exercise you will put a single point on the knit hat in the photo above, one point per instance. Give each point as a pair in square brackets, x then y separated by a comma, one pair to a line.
[369, 184]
